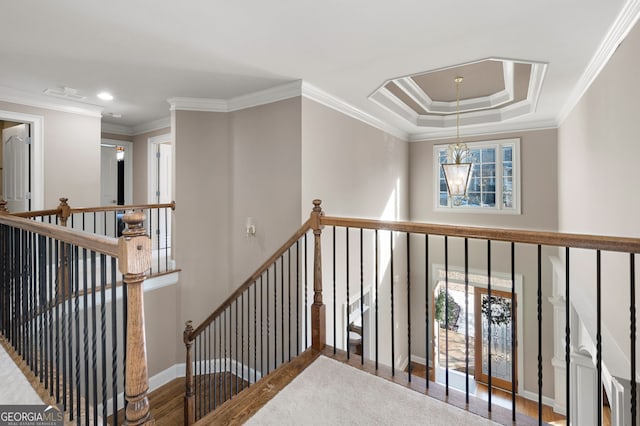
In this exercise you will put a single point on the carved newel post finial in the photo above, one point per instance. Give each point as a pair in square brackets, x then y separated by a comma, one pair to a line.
[64, 211]
[134, 262]
[3, 206]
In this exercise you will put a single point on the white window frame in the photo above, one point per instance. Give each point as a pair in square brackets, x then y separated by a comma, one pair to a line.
[498, 208]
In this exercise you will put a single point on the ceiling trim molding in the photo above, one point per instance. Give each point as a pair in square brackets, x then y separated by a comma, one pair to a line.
[313, 93]
[116, 129]
[266, 96]
[197, 104]
[616, 35]
[482, 130]
[151, 126]
[42, 101]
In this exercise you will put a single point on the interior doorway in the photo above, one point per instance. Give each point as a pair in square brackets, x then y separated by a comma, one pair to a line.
[116, 183]
[160, 166]
[21, 161]
[468, 311]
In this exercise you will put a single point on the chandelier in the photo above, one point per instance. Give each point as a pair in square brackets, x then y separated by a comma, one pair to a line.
[457, 172]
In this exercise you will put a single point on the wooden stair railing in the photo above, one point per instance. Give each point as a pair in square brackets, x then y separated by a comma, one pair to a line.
[399, 241]
[22, 288]
[199, 397]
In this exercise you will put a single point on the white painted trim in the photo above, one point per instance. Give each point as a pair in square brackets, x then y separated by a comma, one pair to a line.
[43, 101]
[534, 397]
[267, 96]
[162, 123]
[37, 153]
[198, 104]
[115, 129]
[128, 166]
[486, 130]
[625, 21]
[320, 96]
[151, 167]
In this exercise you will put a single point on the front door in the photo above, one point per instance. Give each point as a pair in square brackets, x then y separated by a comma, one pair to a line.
[15, 168]
[501, 345]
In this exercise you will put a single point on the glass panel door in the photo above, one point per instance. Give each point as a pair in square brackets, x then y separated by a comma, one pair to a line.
[501, 343]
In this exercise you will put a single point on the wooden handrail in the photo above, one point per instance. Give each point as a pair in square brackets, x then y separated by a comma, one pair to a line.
[171, 205]
[37, 213]
[94, 242]
[295, 237]
[582, 241]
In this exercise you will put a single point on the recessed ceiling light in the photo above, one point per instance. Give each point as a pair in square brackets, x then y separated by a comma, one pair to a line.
[105, 96]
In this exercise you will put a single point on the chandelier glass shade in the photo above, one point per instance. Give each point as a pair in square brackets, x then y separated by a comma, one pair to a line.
[457, 171]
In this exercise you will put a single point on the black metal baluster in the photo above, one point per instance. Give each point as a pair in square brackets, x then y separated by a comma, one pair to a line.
[298, 297]
[362, 331]
[539, 303]
[236, 339]
[94, 338]
[489, 319]
[62, 320]
[56, 355]
[255, 331]
[103, 331]
[393, 344]
[43, 303]
[567, 344]
[198, 407]
[261, 329]
[166, 239]
[408, 303]
[76, 296]
[446, 314]
[275, 314]
[268, 321]
[632, 328]
[114, 340]
[514, 308]
[230, 369]
[209, 374]
[333, 265]
[242, 341]
[85, 333]
[282, 309]
[426, 308]
[69, 278]
[599, 332]
[466, 317]
[347, 284]
[289, 300]
[215, 367]
[306, 306]
[377, 266]
[158, 238]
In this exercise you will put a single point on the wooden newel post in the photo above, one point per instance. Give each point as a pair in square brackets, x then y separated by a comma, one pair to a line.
[134, 262]
[189, 412]
[64, 211]
[318, 309]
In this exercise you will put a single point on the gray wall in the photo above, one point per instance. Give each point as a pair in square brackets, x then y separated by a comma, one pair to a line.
[539, 211]
[598, 154]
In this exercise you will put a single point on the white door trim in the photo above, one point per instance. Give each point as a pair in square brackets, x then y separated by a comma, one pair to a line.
[151, 142]
[37, 153]
[128, 166]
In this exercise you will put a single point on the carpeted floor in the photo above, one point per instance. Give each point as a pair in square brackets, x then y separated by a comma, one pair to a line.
[15, 388]
[331, 393]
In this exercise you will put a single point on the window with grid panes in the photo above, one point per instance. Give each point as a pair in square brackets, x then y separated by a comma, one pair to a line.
[494, 184]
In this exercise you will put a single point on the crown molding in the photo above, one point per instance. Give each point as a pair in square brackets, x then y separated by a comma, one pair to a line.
[116, 129]
[151, 126]
[266, 96]
[315, 94]
[619, 30]
[198, 104]
[487, 129]
[42, 101]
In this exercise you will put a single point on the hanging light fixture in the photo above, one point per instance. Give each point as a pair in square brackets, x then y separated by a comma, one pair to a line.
[457, 172]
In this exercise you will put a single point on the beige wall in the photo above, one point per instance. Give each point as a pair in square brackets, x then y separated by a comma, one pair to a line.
[71, 155]
[355, 169]
[539, 211]
[598, 151]
[266, 181]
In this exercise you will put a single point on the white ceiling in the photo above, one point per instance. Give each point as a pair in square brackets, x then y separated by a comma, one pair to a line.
[147, 51]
